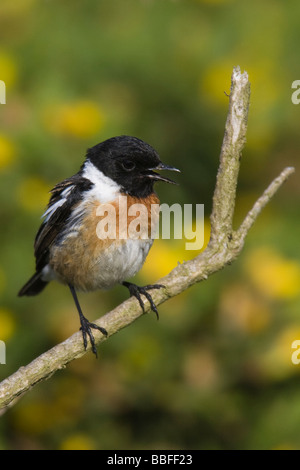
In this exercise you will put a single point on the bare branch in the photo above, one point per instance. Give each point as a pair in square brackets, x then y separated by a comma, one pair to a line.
[224, 246]
[231, 152]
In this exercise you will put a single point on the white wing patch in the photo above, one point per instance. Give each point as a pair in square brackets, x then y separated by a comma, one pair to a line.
[104, 190]
[50, 211]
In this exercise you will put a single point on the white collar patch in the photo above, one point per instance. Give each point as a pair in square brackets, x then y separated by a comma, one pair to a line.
[105, 189]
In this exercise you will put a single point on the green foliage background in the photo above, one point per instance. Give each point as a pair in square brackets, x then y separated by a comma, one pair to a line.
[215, 372]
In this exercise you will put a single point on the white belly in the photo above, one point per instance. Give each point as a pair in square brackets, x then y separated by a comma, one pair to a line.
[115, 264]
[120, 263]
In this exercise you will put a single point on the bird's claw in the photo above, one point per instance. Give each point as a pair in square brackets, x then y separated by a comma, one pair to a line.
[137, 291]
[86, 329]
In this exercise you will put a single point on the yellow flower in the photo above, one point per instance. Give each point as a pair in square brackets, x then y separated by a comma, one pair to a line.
[216, 81]
[33, 194]
[78, 442]
[8, 69]
[7, 324]
[273, 275]
[7, 151]
[80, 119]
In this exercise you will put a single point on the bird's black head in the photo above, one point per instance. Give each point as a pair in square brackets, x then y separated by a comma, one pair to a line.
[130, 162]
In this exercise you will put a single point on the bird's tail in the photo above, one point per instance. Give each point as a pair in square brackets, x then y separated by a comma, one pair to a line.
[34, 286]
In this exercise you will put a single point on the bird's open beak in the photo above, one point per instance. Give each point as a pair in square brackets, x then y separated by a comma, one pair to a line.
[157, 177]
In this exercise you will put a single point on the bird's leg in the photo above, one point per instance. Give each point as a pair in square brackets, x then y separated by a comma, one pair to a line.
[137, 291]
[86, 326]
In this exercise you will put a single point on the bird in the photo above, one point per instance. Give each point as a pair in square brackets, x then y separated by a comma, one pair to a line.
[67, 246]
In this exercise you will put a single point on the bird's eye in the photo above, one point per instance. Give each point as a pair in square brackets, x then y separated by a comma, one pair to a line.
[128, 165]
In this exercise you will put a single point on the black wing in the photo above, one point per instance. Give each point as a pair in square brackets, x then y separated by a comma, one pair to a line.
[69, 193]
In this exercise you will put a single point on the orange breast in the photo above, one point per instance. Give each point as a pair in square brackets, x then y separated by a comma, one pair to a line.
[79, 257]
